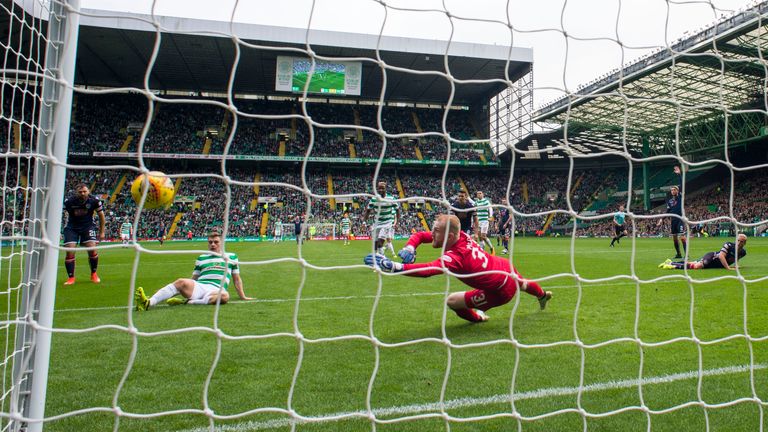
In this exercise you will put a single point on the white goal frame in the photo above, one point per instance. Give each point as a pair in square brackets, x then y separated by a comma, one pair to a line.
[34, 322]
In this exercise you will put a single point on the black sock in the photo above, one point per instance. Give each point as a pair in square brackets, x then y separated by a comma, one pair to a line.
[677, 246]
[94, 262]
[613, 240]
[679, 265]
[69, 264]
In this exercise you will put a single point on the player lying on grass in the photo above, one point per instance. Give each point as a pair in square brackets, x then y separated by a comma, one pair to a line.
[463, 256]
[209, 282]
[723, 258]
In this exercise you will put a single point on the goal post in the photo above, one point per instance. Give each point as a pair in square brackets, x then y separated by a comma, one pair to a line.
[36, 306]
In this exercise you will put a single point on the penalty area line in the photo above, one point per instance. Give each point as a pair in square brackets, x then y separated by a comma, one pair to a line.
[472, 402]
[355, 297]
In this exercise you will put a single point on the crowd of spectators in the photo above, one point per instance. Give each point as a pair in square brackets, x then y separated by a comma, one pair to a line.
[203, 193]
[259, 127]
[102, 123]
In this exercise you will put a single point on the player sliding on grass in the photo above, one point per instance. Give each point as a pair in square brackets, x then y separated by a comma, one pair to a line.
[720, 259]
[463, 256]
[208, 285]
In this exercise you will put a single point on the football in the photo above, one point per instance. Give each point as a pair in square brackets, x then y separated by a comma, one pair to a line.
[160, 189]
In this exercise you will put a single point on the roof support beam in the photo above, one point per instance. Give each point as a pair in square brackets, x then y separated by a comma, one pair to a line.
[714, 62]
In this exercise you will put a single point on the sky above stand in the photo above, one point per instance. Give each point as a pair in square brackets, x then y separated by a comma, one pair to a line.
[573, 41]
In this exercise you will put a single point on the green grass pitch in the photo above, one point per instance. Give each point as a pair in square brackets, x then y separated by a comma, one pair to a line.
[320, 80]
[325, 343]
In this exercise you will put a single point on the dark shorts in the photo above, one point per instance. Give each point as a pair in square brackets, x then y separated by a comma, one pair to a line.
[80, 236]
[504, 231]
[619, 229]
[677, 226]
[710, 260]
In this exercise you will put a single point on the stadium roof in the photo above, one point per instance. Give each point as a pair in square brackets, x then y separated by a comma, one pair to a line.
[115, 48]
[677, 96]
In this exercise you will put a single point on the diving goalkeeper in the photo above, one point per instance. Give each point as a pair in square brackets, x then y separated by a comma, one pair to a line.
[463, 257]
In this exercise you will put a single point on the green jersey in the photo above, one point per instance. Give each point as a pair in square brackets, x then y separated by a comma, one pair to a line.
[386, 210]
[125, 228]
[484, 210]
[345, 224]
[214, 270]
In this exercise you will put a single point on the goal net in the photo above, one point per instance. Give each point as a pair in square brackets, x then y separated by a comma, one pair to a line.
[405, 113]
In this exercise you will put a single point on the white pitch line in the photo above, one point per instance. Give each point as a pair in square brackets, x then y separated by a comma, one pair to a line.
[335, 298]
[472, 402]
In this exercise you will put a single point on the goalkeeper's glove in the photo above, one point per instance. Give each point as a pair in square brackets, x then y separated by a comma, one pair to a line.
[407, 254]
[382, 262]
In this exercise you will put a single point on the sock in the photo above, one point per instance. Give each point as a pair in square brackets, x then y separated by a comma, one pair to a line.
[505, 243]
[677, 245]
[391, 247]
[685, 246]
[93, 260]
[70, 266]
[198, 301]
[613, 240]
[163, 294]
[468, 314]
[532, 288]
[679, 265]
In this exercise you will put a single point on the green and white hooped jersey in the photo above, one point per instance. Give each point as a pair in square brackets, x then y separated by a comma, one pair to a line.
[212, 269]
[125, 228]
[484, 210]
[386, 210]
[345, 224]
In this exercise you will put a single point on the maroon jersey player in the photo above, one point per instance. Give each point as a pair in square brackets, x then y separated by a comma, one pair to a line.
[493, 280]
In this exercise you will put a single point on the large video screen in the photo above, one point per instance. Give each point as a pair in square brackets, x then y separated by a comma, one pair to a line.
[329, 78]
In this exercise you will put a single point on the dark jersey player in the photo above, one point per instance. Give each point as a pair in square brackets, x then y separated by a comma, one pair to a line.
[462, 256]
[81, 229]
[161, 233]
[462, 208]
[297, 229]
[724, 258]
[505, 224]
[675, 207]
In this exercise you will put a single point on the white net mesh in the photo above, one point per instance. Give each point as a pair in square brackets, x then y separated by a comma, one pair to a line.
[330, 344]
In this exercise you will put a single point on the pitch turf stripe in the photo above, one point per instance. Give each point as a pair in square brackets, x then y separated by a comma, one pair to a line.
[491, 400]
[357, 297]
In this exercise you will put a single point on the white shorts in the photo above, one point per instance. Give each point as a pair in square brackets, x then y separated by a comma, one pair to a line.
[383, 232]
[203, 291]
[483, 225]
[125, 236]
[345, 232]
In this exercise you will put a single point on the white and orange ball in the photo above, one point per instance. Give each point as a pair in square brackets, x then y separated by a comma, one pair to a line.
[160, 189]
